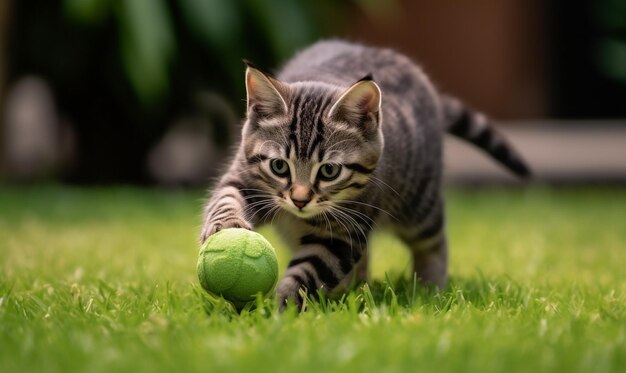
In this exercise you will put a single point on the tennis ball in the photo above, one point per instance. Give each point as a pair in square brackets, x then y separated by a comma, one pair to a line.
[237, 264]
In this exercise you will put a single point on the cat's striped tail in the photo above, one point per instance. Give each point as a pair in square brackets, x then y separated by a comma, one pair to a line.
[475, 128]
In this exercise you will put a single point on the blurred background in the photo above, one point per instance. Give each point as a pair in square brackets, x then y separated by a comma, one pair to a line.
[152, 91]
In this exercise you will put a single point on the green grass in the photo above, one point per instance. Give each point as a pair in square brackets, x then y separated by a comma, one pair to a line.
[103, 279]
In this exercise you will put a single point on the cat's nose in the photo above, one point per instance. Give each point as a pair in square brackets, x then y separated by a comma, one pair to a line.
[300, 203]
[300, 195]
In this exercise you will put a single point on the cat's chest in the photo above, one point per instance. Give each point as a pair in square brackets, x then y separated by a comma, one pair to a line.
[292, 228]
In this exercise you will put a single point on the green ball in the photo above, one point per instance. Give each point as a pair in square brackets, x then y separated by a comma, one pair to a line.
[237, 264]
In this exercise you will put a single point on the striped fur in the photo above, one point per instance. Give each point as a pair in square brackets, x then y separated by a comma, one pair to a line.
[328, 154]
[475, 128]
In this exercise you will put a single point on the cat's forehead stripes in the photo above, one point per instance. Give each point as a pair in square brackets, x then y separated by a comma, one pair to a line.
[262, 147]
[308, 136]
[307, 128]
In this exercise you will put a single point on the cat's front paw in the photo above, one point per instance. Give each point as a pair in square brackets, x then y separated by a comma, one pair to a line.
[290, 290]
[211, 228]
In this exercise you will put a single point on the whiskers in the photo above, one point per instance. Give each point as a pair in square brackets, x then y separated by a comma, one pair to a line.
[260, 202]
[354, 223]
[382, 185]
[369, 205]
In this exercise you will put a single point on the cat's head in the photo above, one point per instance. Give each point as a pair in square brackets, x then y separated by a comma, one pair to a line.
[311, 145]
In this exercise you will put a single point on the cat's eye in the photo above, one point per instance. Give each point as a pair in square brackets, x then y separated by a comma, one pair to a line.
[329, 171]
[279, 167]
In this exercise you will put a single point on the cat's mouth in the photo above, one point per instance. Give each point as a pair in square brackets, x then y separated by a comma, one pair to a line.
[306, 212]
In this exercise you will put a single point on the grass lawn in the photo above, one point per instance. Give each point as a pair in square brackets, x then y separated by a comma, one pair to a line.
[103, 279]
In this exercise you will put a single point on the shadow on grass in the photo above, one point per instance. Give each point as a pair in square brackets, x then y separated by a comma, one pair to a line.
[396, 294]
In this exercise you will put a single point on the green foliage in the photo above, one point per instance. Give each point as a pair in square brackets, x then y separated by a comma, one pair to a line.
[103, 279]
[87, 11]
[610, 48]
[228, 29]
[146, 39]
[147, 46]
[287, 24]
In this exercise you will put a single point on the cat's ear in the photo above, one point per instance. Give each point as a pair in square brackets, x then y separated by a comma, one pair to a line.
[263, 91]
[358, 104]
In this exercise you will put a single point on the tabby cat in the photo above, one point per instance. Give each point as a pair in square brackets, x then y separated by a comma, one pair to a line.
[330, 152]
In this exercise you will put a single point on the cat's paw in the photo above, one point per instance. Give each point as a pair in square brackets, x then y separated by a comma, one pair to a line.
[289, 290]
[211, 228]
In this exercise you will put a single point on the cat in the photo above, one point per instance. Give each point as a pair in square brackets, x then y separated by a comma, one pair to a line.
[345, 139]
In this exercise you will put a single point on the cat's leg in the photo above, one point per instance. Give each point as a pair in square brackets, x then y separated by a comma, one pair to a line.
[429, 249]
[361, 270]
[359, 275]
[321, 263]
[225, 209]
[430, 262]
